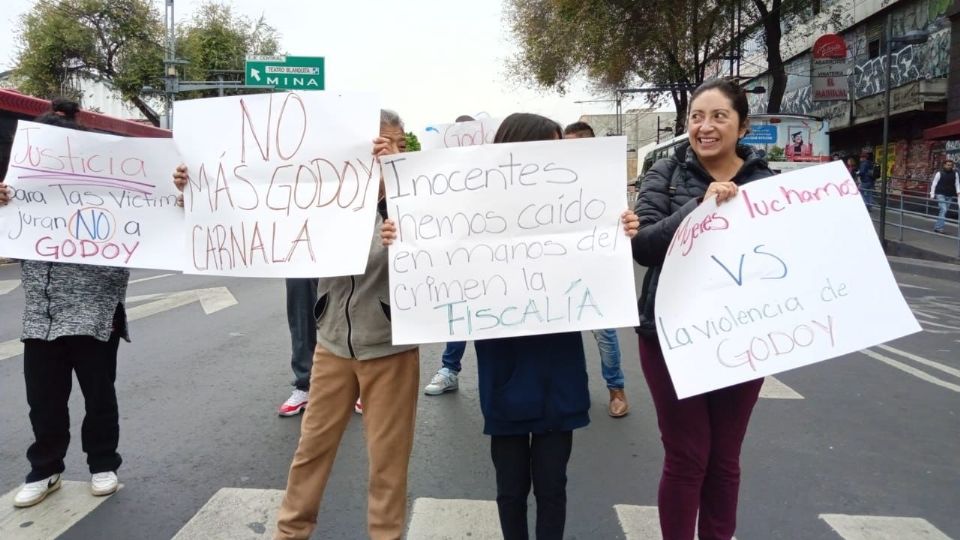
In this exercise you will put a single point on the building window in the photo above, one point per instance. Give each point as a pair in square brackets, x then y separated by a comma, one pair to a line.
[873, 48]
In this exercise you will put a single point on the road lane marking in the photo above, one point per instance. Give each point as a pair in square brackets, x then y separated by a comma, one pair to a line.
[235, 514]
[882, 528]
[439, 519]
[52, 517]
[773, 388]
[150, 278]
[7, 285]
[211, 300]
[639, 522]
[911, 370]
[921, 360]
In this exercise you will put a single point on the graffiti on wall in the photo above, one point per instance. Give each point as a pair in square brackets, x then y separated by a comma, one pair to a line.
[913, 62]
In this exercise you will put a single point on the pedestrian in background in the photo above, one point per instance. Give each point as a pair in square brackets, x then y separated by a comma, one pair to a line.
[702, 435]
[607, 341]
[73, 321]
[944, 189]
[867, 179]
[301, 298]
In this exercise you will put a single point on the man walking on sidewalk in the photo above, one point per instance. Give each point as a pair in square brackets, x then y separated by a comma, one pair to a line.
[944, 190]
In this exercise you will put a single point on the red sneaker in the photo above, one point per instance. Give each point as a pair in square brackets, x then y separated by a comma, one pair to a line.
[295, 404]
[358, 407]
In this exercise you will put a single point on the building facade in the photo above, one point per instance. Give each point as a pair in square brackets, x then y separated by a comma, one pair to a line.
[639, 126]
[918, 74]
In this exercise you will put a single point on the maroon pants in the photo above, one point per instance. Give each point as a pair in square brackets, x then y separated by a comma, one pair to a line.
[702, 436]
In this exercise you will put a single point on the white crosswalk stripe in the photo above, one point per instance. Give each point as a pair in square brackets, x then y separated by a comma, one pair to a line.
[453, 519]
[639, 522]
[773, 388]
[52, 517]
[250, 514]
[882, 528]
[235, 514]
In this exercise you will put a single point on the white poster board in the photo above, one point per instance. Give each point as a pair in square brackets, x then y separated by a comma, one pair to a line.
[788, 273]
[509, 240]
[91, 198]
[281, 184]
[455, 135]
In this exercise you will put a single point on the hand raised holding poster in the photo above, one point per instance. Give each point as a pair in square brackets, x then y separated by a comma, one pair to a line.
[509, 240]
[787, 273]
[91, 198]
[281, 184]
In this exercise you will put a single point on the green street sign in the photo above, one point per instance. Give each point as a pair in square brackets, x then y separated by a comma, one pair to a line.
[285, 72]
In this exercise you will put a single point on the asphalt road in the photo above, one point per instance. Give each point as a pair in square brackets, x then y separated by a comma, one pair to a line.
[871, 436]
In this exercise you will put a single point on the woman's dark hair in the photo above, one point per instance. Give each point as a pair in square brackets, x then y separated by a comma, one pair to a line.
[63, 113]
[732, 91]
[523, 127]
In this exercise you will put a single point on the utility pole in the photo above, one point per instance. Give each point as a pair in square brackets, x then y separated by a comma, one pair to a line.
[169, 63]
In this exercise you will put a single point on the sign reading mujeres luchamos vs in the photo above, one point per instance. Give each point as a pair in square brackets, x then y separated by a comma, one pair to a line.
[788, 273]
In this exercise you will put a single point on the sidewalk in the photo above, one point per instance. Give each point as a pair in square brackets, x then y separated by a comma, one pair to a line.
[921, 243]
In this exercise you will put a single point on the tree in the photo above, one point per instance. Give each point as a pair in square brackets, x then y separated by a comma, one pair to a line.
[113, 40]
[216, 39]
[121, 43]
[666, 43]
[616, 44]
[413, 143]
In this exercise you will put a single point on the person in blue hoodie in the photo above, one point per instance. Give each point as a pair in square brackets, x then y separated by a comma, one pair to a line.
[533, 394]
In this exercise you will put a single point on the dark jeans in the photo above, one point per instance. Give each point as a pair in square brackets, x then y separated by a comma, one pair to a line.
[48, 368]
[542, 458]
[301, 298]
[452, 354]
[702, 436]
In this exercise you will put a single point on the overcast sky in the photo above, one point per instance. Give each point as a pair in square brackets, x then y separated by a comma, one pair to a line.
[431, 60]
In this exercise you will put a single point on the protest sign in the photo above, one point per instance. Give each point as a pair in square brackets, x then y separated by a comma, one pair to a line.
[91, 198]
[281, 184]
[788, 273]
[509, 240]
[459, 134]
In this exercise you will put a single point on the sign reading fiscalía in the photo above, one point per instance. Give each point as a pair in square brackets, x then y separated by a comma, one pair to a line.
[281, 185]
[788, 273]
[455, 135]
[831, 69]
[509, 240]
[91, 198]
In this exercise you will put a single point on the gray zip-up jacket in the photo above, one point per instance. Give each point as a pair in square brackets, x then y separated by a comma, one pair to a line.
[353, 312]
[64, 299]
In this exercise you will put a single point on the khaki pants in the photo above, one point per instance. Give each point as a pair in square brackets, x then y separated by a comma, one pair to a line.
[389, 387]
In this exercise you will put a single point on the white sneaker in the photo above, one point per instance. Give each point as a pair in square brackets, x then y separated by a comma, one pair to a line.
[358, 407]
[444, 381]
[295, 404]
[34, 492]
[104, 483]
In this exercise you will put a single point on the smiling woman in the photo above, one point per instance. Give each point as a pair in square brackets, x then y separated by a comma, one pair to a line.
[702, 434]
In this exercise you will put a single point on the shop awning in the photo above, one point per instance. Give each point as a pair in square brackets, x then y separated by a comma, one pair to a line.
[950, 130]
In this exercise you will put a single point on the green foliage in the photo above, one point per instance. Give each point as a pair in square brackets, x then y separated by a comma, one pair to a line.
[217, 39]
[775, 154]
[115, 40]
[413, 143]
[617, 44]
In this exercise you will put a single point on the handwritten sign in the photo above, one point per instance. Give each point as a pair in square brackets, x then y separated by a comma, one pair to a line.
[788, 273]
[281, 185]
[91, 198]
[509, 240]
[459, 134]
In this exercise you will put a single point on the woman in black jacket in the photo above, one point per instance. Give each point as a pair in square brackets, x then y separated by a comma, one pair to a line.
[701, 435]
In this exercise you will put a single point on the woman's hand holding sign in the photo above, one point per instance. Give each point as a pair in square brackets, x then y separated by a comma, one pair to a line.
[723, 191]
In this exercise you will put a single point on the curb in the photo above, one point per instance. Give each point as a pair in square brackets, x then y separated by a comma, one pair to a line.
[934, 269]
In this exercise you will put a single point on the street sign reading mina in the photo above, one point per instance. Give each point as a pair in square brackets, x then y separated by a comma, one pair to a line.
[285, 72]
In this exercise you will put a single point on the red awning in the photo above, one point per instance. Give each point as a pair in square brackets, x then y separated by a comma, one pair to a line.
[950, 130]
